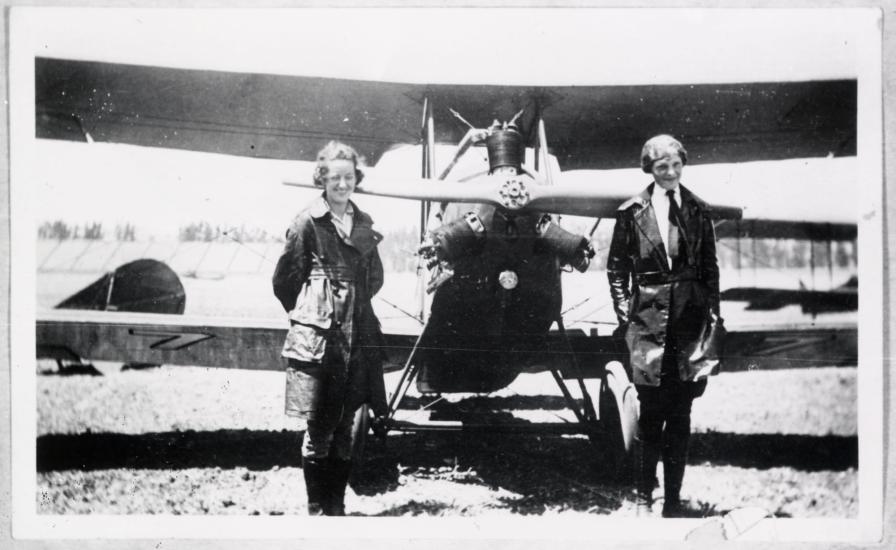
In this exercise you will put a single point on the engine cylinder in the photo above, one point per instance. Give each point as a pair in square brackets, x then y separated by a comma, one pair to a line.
[505, 149]
[464, 236]
[572, 249]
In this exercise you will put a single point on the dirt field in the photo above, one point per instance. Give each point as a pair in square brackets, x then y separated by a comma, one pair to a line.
[182, 440]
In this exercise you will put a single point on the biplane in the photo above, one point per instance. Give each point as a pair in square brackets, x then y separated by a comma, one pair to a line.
[496, 304]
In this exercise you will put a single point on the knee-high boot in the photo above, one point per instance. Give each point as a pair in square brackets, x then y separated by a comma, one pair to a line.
[315, 472]
[338, 481]
[646, 458]
[675, 458]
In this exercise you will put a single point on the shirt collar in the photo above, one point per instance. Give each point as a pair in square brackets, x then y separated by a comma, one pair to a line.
[349, 211]
[320, 208]
[659, 192]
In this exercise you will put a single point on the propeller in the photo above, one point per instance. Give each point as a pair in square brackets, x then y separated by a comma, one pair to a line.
[514, 193]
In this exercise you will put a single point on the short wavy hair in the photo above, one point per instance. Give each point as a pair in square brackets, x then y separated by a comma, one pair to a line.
[336, 150]
[658, 147]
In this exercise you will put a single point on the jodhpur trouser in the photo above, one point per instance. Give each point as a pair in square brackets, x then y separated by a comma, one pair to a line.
[328, 398]
[664, 429]
[324, 439]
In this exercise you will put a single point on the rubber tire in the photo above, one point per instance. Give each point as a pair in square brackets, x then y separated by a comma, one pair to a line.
[360, 431]
[618, 416]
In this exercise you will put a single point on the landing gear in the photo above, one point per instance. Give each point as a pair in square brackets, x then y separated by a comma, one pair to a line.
[608, 416]
[360, 433]
[66, 362]
[360, 429]
[618, 419]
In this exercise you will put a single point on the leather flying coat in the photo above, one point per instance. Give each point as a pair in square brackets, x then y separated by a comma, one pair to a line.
[325, 283]
[658, 301]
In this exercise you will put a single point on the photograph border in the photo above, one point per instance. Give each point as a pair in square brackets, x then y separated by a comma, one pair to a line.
[875, 475]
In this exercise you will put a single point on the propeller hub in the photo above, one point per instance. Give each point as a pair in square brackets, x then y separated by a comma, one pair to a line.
[514, 194]
[508, 279]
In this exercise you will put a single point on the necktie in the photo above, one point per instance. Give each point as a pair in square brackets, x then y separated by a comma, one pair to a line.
[675, 226]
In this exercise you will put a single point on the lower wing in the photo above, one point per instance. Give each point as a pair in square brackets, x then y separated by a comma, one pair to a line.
[255, 344]
[171, 339]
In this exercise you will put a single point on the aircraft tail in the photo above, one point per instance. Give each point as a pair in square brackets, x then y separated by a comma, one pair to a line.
[144, 286]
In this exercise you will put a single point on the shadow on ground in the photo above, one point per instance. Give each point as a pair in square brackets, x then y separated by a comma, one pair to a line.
[543, 472]
[762, 451]
[261, 450]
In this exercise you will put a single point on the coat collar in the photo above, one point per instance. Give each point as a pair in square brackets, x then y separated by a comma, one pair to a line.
[645, 220]
[690, 205]
[319, 208]
[689, 201]
[363, 237]
[643, 199]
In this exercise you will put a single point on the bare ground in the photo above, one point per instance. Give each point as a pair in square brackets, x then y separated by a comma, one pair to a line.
[182, 440]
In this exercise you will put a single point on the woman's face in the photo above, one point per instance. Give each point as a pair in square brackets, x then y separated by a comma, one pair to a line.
[339, 183]
[667, 171]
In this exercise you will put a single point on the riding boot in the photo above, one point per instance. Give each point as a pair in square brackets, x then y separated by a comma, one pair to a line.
[675, 457]
[646, 458]
[339, 474]
[315, 472]
[338, 481]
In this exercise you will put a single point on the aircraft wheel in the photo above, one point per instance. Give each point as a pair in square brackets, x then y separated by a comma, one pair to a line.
[618, 416]
[360, 429]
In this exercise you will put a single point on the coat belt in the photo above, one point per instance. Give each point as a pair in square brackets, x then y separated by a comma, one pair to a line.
[664, 277]
[335, 272]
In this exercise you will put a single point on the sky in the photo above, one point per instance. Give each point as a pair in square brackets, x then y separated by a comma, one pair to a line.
[478, 45]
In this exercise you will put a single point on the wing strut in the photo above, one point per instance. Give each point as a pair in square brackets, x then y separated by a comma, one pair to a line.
[427, 131]
[831, 262]
[429, 154]
[542, 163]
[812, 264]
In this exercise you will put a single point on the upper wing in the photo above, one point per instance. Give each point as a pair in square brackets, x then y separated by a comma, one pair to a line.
[290, 117]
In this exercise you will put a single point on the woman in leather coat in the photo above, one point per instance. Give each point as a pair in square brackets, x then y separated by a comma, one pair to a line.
[664, 282]
[325, 278]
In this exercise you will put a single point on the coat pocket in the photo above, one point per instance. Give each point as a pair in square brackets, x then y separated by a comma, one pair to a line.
[705, 354]
[649, 310]
[304, 343]
[314, 305]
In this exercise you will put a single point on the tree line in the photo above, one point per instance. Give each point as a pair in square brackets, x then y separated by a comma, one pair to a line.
[206, 232]
[398, 248]
[60, 230]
